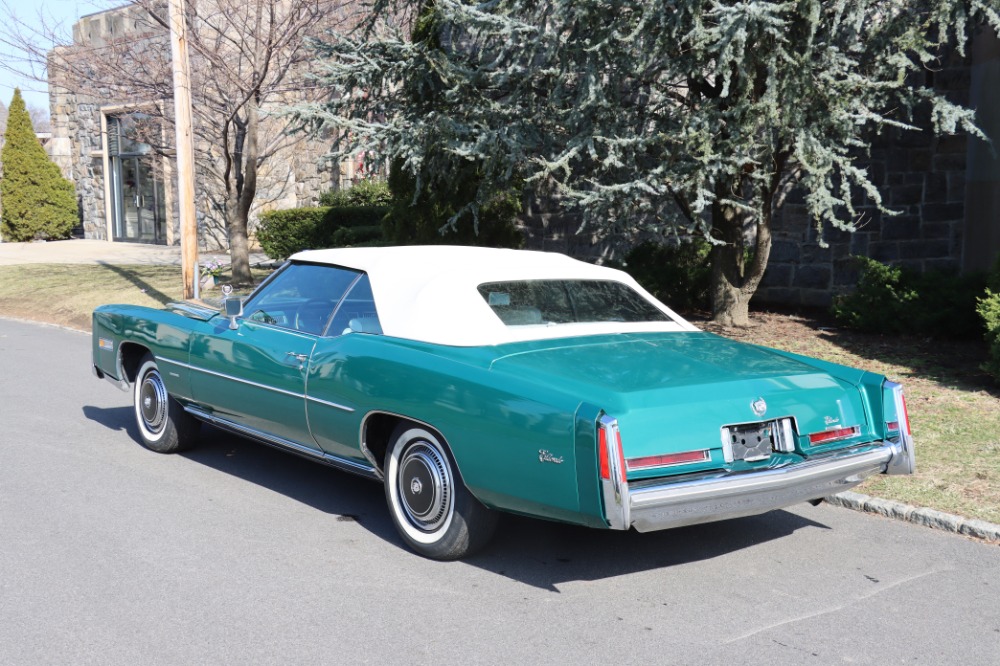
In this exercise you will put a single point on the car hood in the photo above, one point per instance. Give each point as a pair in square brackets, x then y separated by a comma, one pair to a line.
[674, 391]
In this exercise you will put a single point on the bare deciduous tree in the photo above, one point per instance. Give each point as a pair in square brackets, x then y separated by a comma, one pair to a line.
[247, 57]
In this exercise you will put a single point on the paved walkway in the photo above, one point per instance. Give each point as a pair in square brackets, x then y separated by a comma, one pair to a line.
[80, 251]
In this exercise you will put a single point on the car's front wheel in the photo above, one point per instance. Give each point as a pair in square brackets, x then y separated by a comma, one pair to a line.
[433, 511]
[164, 426]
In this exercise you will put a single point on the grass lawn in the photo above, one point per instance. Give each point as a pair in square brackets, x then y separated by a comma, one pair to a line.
[954, 407]
[66, 294]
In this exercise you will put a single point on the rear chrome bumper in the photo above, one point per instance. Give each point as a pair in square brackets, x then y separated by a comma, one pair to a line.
[657, 505]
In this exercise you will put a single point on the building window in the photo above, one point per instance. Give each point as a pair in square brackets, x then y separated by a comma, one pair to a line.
[138, 210]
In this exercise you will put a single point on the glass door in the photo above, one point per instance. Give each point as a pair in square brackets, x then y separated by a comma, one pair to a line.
[138, 210]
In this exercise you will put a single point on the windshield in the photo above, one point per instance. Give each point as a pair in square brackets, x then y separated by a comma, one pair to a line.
[535, 302]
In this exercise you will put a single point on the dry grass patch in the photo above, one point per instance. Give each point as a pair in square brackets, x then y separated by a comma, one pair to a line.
[66, 294]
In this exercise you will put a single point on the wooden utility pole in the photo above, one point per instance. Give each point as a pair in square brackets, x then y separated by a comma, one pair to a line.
[185, 147]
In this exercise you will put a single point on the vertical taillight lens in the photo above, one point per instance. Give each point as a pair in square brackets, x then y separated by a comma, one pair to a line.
[904, 461]
[602, 452]
[906, 413]
[610, 454]
[901, 423]
[611, 464]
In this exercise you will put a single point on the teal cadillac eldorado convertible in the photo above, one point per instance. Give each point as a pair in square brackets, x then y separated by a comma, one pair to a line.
[471, 381]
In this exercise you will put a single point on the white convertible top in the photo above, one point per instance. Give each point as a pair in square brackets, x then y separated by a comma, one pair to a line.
[429, 293]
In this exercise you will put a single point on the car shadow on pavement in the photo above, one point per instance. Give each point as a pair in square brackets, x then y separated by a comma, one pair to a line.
[121, 419]
[535, 552]
[544, 555]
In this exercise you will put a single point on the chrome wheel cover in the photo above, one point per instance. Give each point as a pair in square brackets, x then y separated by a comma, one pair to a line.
[151, 402]
[424, 486]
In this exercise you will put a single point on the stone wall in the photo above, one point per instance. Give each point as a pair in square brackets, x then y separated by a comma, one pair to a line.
[920, 177]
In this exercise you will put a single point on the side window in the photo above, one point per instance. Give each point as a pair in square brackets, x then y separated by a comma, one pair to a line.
[301, 297]
[357, 311]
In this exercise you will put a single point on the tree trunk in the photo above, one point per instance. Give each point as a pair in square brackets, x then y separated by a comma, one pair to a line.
[242, 192]
[734, 281]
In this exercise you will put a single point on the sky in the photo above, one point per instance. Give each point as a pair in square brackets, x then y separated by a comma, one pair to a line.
[62, 13]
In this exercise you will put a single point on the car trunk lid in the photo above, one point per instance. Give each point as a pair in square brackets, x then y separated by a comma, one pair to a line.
[675, 392]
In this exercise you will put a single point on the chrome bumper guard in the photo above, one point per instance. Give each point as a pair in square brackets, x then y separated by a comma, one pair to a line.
[657, 505]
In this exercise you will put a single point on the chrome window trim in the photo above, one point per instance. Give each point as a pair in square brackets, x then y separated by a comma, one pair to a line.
[255, 384]
[275, 327]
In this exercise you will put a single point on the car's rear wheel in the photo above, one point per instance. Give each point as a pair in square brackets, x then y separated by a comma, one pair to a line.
[433, 511]
[164, 426]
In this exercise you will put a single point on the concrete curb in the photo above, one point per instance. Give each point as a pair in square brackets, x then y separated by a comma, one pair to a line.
[939, 520]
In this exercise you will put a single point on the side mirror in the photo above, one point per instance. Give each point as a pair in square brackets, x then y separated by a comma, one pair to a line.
[232, 306]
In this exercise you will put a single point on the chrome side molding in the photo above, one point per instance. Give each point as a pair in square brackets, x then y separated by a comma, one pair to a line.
[344, 464]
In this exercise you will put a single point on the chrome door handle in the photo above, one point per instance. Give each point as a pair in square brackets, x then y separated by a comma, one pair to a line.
[301, 358]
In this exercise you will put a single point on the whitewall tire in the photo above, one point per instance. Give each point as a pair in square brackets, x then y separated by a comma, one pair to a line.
[163, 424]
[432, 509]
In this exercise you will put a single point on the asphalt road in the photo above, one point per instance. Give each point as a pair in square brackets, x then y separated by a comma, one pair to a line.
[238, 554]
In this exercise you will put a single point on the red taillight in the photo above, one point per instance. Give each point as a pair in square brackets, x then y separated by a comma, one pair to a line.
[669, 459]
[604, 455]
[902, 422]
[602, 452]
[833, 435]
[906, 413]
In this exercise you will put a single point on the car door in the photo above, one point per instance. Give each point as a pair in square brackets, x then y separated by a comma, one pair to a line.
[254, 376]
[338, 395]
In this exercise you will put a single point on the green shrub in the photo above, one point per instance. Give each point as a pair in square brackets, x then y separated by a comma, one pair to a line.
[364, 193]
[282, 233]
[893, 300]
[37, 201]
[679, 275]
[989, 309]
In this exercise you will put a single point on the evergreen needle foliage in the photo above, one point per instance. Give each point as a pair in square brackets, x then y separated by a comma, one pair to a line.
[37, 201]
[681, 117]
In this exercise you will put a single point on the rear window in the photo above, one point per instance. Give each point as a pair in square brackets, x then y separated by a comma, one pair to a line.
[535, 302]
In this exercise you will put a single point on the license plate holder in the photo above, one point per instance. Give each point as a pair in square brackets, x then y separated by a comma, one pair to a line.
[750, 442]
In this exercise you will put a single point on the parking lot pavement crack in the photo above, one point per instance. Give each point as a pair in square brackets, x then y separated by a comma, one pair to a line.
[882, 589]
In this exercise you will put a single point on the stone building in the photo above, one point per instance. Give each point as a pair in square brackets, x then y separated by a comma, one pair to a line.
[946, 189]
[126, 185]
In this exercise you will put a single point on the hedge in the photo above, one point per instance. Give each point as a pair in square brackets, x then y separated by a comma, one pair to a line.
[282, 233]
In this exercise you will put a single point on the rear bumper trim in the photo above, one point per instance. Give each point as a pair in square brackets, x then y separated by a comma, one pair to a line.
[660, 505]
